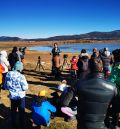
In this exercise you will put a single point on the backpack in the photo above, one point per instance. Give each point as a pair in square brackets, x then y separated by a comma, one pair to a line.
[96, 64]
[83, 65]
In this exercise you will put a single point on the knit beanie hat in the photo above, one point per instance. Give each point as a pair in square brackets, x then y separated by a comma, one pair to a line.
[42, 93]
[18, 66]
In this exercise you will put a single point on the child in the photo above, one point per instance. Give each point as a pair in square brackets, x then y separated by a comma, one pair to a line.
[41, 110]
[16, 84]
[74, 67]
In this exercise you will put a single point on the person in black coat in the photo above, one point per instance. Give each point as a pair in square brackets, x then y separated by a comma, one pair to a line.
[94, 96]
[13, 57]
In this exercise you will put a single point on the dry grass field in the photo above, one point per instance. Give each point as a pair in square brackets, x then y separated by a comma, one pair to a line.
[37, 80]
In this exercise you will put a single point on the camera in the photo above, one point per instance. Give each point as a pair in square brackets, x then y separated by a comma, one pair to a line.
[65, 56]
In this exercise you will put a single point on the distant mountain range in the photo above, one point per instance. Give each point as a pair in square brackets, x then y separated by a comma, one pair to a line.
[113, 35]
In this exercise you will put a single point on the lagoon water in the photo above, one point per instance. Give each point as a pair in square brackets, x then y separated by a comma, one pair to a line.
[77, 47]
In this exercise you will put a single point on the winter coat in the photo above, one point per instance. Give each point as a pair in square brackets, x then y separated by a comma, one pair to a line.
[115, 77]
[13, 58]
[107, 60]
[16, 83]
[94, 96]
[41, 114]
[3, 61]
[55, 52]
[74, 64]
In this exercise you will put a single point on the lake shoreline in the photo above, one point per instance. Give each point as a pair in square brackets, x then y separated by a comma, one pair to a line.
[11, 44]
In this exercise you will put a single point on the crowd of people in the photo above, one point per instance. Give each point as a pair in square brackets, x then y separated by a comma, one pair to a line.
[97, 89]
[94, 100]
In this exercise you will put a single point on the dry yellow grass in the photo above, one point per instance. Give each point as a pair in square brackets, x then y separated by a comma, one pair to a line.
[37, 81]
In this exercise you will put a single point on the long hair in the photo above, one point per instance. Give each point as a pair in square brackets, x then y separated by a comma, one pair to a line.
[14, 49]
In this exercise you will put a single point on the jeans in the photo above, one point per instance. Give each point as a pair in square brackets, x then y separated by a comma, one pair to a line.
[20, 105]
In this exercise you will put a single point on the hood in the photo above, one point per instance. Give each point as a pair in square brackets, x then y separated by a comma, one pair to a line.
[107, 53]
[3, 53]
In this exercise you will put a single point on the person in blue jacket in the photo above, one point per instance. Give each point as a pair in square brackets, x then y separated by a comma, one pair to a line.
[41, 110]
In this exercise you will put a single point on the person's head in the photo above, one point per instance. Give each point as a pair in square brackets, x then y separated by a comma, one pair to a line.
[18, 66]
[3, 53]
[116, 54]
[95, 50]
[74, 57]
[95, 54]
[106, 49]
[96, 65]
[55, 45]
[14, 49]
[106, 53]
[83, 51]
[41, 97]
[62, 86]
[20, 49]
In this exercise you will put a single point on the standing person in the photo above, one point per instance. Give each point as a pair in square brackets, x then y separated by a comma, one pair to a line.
[5, 63]
[94, 96]
[13, 57]
[95, 62]
[83, 63]
[20, 55]
[23, 50]
[108, 61]
[16, 84]
[115, 77]
[55, 60]
[74, 67]
[41, 110]
[95, 51]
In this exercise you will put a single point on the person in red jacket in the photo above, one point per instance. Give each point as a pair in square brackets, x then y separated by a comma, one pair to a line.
[74, 67]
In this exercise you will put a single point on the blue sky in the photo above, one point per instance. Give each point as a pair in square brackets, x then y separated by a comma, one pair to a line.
[46, 18]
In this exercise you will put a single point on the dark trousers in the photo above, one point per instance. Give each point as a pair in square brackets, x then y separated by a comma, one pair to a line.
[3, 79]
[20, 105]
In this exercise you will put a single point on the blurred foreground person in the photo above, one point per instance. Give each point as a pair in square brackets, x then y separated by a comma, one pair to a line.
[16, 84]
[41, 110]
[94, 96]
[115, 77]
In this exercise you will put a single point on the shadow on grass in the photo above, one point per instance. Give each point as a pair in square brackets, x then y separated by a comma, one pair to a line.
[4, 117]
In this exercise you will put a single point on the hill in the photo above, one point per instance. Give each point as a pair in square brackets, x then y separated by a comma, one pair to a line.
[96, 35]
